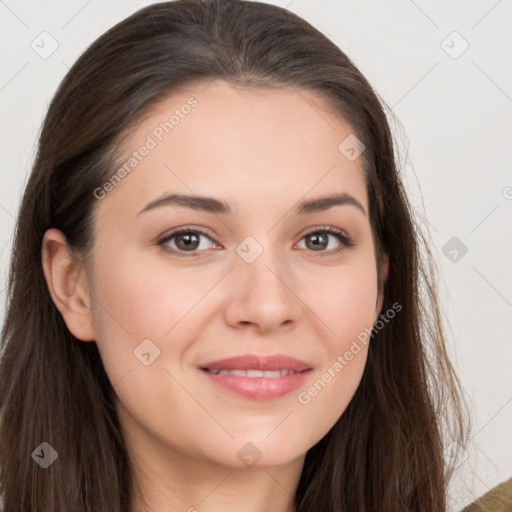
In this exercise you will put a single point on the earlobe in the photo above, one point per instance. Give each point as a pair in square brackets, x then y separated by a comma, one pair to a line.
[67, 284]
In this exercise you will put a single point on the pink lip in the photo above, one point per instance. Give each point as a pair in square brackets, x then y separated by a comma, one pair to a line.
[259, 387]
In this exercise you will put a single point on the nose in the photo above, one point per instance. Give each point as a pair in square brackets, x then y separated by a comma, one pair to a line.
[263, 294]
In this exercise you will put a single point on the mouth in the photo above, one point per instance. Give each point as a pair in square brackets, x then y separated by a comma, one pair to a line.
[268, 374]
[257, 377]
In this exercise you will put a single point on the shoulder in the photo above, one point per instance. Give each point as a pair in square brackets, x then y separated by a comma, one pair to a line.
[498, 499]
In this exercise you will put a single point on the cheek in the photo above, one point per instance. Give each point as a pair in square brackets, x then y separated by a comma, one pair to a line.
[346, 305]
[144, 299]
[139, 300]
[345, 300]
[132, 304]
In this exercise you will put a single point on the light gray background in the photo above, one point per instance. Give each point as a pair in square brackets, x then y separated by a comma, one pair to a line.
[455, 109]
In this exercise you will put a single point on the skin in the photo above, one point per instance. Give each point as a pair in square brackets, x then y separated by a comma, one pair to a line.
[261, 151]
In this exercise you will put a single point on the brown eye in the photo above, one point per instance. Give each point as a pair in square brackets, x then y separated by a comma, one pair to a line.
[186, 240]
[317, 241]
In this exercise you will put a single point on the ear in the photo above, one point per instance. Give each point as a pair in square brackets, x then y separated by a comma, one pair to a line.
[384, 271]
[67, 284]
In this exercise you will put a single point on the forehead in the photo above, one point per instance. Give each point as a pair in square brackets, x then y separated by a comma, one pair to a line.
[253, 147]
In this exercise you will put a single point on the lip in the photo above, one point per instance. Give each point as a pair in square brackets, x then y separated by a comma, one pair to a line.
[262, 388]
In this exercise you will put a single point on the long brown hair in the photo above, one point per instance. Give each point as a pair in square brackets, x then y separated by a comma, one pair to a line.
[385, 452]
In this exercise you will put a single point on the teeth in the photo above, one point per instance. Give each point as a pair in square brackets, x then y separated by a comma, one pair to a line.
[254, 373]
[240, 373]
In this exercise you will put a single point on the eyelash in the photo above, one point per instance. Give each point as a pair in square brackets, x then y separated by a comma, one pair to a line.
[347, 242]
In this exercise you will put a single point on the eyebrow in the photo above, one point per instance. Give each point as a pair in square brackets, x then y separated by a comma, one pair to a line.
[217, 206]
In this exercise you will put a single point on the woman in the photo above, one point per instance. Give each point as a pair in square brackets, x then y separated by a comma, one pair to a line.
[218, 296]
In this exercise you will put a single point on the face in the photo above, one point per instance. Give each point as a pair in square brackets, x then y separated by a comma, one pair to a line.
[259, 271]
